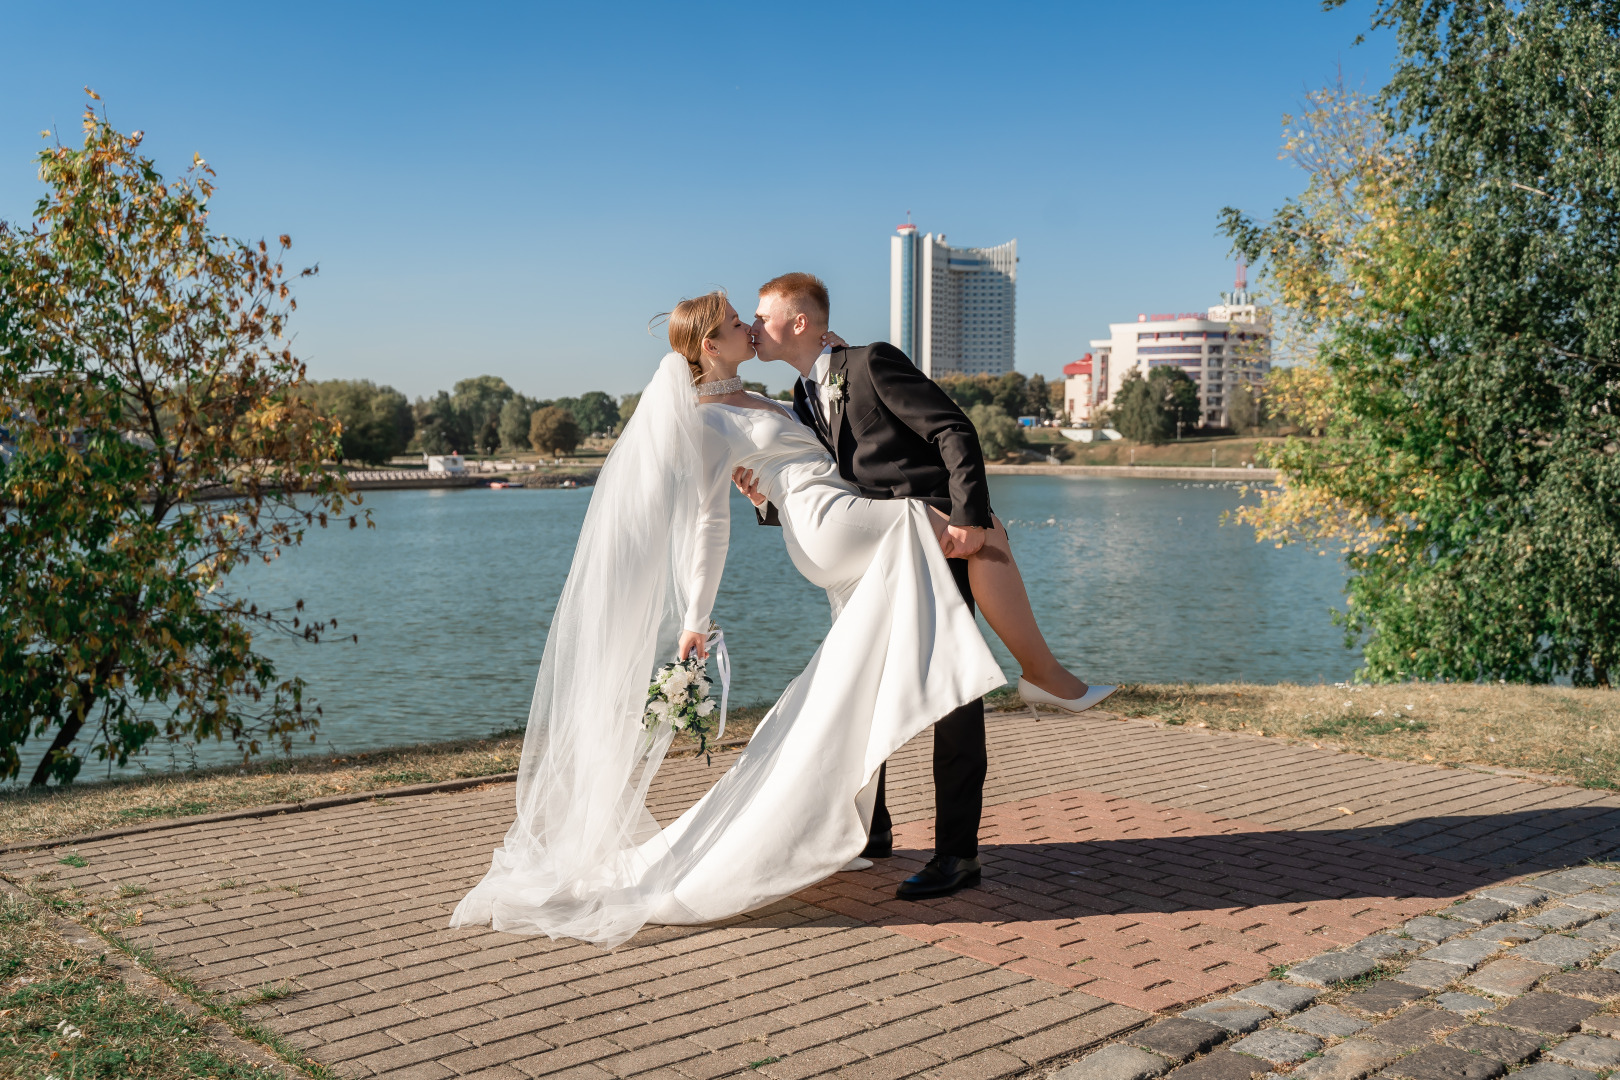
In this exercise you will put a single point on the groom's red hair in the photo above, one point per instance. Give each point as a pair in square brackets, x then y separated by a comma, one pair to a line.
[805, 292]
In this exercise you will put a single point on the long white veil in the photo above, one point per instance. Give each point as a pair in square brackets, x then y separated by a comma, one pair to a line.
[576, 861]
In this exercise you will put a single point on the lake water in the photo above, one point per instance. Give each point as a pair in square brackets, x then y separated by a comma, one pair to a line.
[451, 594]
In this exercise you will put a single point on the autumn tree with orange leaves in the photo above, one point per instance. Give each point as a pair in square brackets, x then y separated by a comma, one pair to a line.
[151, 441]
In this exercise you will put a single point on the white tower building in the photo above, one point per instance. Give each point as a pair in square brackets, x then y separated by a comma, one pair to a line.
[952, 309]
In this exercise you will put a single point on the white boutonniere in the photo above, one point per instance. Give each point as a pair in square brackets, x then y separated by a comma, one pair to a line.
[837, 388]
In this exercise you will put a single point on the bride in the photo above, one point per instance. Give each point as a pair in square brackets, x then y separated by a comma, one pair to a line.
[583, 858]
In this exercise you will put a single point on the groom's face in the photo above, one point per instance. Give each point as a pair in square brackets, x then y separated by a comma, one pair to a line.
[774, 326]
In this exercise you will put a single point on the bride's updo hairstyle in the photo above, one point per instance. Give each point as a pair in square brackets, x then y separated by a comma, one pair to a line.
[692, 323]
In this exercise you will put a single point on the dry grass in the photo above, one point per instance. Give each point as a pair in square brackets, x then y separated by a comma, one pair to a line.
[1565, 733]
[27, 816]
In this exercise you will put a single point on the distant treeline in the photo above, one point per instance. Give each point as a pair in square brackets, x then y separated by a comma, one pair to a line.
[485, 415]
[480, 415]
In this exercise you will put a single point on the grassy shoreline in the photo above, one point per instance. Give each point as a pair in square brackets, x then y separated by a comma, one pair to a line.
[1558, 734]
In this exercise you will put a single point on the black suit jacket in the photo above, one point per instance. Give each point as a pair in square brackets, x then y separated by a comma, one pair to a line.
[897, 435]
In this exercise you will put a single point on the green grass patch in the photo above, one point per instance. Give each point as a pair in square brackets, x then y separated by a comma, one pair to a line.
[68, 1015]
[73, 860]
[1354, 725]
[164, 810]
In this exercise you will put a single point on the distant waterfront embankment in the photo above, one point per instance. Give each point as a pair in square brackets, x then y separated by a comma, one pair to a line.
[408, 479]
[1140, 472]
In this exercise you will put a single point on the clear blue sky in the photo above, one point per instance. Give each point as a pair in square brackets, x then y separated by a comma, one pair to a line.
[514, 189]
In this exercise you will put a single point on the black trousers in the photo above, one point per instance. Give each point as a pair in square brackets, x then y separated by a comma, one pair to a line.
[960, 764]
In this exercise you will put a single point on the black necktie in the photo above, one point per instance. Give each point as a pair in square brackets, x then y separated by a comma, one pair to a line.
[813, 392]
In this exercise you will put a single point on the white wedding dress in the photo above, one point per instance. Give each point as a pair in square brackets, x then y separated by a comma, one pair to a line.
[584, 858]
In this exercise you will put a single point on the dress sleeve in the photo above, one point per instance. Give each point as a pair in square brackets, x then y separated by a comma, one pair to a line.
[713, 530]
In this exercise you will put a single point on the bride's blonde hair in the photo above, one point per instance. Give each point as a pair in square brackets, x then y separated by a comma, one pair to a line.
[692, 323]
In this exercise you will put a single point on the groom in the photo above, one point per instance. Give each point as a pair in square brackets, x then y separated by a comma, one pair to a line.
[895, 434]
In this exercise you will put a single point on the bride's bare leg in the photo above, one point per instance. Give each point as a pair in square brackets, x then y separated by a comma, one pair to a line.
[998, 589]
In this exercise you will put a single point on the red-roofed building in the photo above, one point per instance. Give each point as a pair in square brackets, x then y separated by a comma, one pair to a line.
[1078, 380]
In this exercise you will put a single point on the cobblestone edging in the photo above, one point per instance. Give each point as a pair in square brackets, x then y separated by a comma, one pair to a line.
[1517, 979]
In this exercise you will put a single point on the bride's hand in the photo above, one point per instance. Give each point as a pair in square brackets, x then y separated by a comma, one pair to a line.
[832, 340]
[692, 643]
[748, 484]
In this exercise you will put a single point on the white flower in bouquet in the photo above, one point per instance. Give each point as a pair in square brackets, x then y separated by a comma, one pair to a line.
[705, 707]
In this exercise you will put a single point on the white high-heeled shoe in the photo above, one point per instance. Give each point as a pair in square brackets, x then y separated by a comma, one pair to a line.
[1034, 695]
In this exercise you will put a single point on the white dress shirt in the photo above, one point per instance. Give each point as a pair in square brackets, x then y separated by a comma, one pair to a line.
[815, 383]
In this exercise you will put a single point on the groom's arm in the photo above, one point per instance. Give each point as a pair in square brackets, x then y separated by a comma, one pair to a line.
[918, 402]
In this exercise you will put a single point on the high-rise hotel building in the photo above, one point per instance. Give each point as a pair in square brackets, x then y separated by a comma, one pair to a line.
[951, 309]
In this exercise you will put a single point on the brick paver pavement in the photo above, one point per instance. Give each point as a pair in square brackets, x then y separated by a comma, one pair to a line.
[1129, 868]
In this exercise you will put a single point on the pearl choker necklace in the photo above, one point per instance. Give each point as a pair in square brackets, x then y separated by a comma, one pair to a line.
[723, 386]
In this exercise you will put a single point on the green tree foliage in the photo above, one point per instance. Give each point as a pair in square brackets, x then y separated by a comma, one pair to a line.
[1178, 395]
[1138, 414]
[1147, 409]
[377, 421]
[627, 407]
[1454, 254]
[441, 428]
[145, 369]
[1243, 410]
[479, 400]
[553, 430]
[596, 413]
[513, 423]
[1012, 393]
[999, 434]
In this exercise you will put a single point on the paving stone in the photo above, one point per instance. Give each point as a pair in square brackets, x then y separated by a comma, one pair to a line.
[1383, 996]
[1445, 1063]
[1561, 918]
[1587, 1052]
[1237, 1017]
[1327, 1021]
[1430, 928]
[1280, 997]
[1221, 1065]
[1416, 1026]
[1278, 1046]
[1468, 952]
[1383, 946]
[1464, 1003]
[1518, 897]
[1178, 1038]
[1493, 1041]
[1550, 1070]
[1575, 879]
[1597, 985]
[1602, 1024]
[1350, 1060]
[1116, 1062]
[1431, 975]
[1512, 932]
[1612, 963]
[1604, 931]
[1602, 903]
[1550, 1014]
[1508, 977]
[1555, 949]
[1480, 910]
[1333, 967]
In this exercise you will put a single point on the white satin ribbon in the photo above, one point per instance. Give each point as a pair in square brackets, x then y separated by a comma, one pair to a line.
[722, 663]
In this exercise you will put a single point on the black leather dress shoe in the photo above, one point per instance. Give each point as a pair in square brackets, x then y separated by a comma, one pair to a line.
[944, 875]
[880, 845]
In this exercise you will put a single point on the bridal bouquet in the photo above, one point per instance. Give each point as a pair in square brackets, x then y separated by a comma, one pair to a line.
[679, 697]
